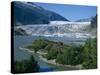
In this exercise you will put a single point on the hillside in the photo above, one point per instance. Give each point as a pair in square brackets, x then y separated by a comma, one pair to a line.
[29, 13]
[85, 20]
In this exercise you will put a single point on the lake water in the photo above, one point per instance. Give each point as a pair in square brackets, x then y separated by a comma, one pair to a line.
[20, 41]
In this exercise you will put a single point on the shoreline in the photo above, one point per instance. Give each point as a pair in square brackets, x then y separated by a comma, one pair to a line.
[52, 62]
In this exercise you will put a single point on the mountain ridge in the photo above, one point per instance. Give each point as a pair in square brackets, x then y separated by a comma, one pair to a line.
[26, 13]
[85, 19]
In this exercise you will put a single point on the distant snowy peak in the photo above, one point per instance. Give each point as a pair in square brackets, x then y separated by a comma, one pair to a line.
[85, 20]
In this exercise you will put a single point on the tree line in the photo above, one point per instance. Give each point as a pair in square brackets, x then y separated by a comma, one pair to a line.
[65, 54]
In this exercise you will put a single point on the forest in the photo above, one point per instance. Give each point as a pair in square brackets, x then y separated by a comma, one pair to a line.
[68, 54]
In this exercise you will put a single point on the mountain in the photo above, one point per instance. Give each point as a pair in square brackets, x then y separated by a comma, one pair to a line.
[20, 31]
[94, 22]
[30, 13]
[85, 20]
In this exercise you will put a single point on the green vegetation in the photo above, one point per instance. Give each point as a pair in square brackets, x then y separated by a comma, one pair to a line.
[37, 45]
[71, 56]
[90, 54]
[26, 66]
[68, 54]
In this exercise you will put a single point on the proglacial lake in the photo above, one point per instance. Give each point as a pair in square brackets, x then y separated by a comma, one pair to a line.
[20, 41]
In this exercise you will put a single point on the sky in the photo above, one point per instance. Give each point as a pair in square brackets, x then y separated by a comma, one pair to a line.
[71, 12]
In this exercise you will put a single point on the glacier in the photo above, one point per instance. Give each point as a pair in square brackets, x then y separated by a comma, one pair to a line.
[58, 29]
